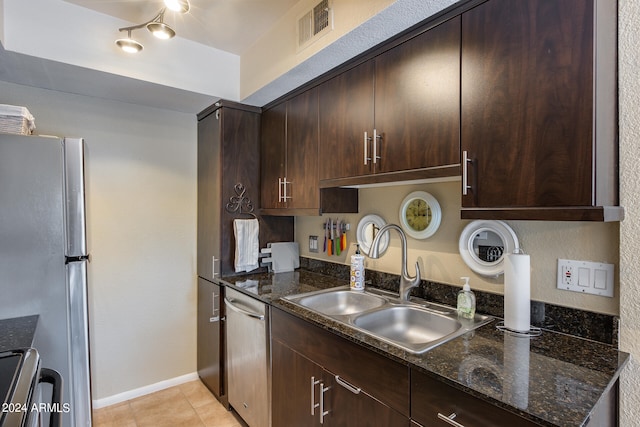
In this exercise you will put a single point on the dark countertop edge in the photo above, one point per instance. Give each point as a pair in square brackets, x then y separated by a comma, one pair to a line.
[400, 356]
[17, 332]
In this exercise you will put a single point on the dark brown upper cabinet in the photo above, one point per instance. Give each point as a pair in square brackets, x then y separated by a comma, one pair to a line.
[346, 113]
[229, 154]
[289, 162]
[273, 156]
[396, 116]
[539, 117]
[417, 101]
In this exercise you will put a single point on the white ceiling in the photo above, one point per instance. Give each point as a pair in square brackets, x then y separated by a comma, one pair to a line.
[229, 25]
[68, 53]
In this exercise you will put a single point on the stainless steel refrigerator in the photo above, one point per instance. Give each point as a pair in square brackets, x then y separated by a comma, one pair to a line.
[43, 256]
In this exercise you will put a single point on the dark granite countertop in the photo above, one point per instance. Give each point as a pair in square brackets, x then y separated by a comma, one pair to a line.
[553, 379]
[17, 332]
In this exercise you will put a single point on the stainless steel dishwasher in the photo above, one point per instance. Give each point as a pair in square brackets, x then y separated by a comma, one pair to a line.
[248, 358]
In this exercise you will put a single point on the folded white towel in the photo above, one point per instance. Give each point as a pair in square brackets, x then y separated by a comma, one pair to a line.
[247, 245]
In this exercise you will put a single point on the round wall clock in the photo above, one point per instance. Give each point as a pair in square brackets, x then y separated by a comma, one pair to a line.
[420, 215]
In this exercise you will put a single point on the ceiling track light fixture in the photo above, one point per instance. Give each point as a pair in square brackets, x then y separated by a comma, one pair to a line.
[157, 26]
[129, 45]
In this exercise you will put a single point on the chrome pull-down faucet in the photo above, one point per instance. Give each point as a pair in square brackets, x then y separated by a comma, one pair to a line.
[406, 282]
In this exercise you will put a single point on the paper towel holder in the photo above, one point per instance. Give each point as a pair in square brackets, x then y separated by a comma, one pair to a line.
[483, 243]
[533, 331]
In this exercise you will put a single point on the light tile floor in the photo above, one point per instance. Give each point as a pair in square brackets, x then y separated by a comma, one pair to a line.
[186, 405]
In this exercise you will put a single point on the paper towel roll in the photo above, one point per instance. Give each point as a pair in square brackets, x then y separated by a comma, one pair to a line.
[517, 292]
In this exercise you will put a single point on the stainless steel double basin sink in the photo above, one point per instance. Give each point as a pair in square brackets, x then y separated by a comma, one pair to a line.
[415, 326]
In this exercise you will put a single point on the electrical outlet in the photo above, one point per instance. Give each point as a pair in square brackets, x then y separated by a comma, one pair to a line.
[567, 275]
[585, 277]
[313, 243]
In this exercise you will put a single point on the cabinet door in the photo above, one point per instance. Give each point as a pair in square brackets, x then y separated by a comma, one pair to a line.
[209, 195]
[302, 151]
[346, 113]
[209, 336]
[273, 156]
[348, 405]
[417, 101]
[527, 103]
[294, 390]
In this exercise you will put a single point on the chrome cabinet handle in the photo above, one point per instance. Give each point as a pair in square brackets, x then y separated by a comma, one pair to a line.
[284, 186]
[366, 148]
[213, 317]
[450, 419]
[213, 266]
[314, 405]
[465, 173]
[376, 137]
[323, 413]
[353, 389]
[243, 311]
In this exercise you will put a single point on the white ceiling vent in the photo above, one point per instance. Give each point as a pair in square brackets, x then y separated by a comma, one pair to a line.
[314, 23]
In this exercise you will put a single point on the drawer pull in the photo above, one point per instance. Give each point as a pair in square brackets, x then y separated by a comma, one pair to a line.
[314, 405]
[450, 419]
[323, 413]
[351, 388]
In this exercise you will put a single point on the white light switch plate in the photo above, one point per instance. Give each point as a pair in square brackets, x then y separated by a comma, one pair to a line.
[585, 277]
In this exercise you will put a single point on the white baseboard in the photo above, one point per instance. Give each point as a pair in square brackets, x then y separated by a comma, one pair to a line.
[142, 391]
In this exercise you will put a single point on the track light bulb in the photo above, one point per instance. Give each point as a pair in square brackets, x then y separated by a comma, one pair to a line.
[129, 45]
[161, 30]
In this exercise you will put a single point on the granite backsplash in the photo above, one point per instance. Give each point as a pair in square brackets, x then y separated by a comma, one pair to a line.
[595, 326]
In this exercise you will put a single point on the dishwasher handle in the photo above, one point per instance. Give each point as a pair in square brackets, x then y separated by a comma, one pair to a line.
[229, 303]
[54, 378]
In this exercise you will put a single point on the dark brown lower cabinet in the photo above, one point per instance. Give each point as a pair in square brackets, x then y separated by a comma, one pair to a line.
[431, 400]
[319, 378]
[210, 338]
[291, 387]
[348, 405]
[305, 394]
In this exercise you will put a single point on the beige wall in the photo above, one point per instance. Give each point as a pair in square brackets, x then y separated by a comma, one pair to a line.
[276, 52]
[439, 256]
[629, 63]
[141, 202]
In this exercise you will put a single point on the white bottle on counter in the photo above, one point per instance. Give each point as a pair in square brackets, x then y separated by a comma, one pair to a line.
[466, 301]
[357, 270]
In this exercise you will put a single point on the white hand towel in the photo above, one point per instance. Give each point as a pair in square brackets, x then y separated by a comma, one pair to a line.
[247, 245]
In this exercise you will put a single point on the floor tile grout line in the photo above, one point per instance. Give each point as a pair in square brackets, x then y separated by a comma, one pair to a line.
[132, 412]
[134, 417]
[202, 422]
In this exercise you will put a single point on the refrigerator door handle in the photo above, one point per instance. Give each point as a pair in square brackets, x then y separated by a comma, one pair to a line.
[80, 380]
[74, 196]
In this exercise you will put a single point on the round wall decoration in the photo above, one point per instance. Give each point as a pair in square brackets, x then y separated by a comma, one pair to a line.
[483, 244]
[420, 215]
[368, 227]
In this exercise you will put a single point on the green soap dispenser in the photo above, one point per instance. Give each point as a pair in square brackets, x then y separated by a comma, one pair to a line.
[466, 301]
